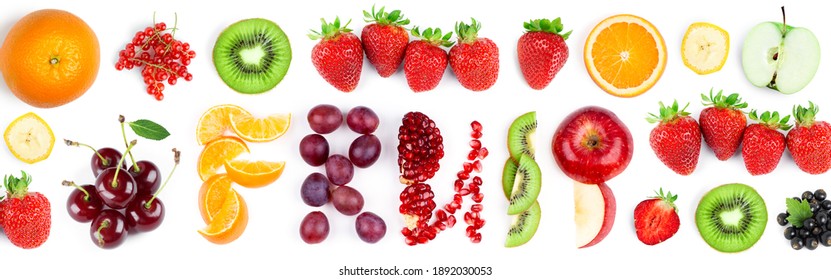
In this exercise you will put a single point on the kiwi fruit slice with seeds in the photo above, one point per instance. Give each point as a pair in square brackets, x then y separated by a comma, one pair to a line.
[731, 217]
[521, 135]
[252, 56]
[524, 226]
[508, 175]
[526, 186]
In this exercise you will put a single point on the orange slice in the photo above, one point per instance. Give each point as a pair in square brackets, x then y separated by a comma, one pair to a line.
[212, 194]
[625, 55]
[215, 122]
[29, 138]
[254, 174]
[216, 153]
[230, 222]
[255, 129]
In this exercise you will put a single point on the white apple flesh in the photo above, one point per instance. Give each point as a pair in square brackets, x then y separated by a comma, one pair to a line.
[594, 213]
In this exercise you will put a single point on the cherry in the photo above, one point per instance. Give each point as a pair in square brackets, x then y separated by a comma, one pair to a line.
[102, 159]
[146, 212]
[83, 204]
[115, 186]
[147, 176]
[109, 229]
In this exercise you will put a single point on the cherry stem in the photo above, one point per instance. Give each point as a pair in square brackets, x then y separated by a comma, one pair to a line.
[72, 184]
[104, 161]
[104, 224]
[114, 184]
[124, 136]
[176, 156]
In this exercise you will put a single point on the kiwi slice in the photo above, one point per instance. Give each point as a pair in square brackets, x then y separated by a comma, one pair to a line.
[731, 217]
[524, 226]
[508, 175]
[526, 186]
[521, 135]
[252, 55]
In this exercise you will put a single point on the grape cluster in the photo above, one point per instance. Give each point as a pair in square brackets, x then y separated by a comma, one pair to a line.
[160, 57]
[816, 229]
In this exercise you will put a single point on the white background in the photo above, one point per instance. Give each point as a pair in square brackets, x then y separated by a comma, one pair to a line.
[271, 247]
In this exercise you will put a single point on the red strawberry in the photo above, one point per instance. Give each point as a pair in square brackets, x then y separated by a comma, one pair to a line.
[474, 60]
[27, 216]
[338, 57]
[676, 140]
[809, 142]
[763, 144]
[542, 51]
[656, 219]
[425, 60]
[385, 40]
[722, 124]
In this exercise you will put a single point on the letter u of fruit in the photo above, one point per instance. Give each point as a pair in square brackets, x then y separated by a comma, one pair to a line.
[49, 58]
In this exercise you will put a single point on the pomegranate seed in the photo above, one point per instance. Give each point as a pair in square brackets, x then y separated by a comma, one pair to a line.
[465, 192]
[474, 188]
[457, 198]
[451, 221]
[477, 180]
[478, 197]
[479, 223]
[455, 205]
[475, 215]
[476, 207]
[476, 238]
[483, 153]
[477, 166]
[469, 218]
[409, 240]
[472, 155]
[422, 239]
[406, 231]
[476, 134]
[449, 208]
[442, 226]
[441, 215]
[476, 126]
[470, 231]
[467, 167]
[457, 186]
[475, 144]
[463, 175]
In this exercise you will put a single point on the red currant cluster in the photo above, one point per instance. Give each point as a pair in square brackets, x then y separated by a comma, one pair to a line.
[161, 57]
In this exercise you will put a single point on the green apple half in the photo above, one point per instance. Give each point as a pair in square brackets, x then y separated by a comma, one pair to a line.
[780, 57]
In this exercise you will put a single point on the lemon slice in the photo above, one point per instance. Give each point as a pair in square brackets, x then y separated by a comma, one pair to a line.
[29, 138]
[704, 47]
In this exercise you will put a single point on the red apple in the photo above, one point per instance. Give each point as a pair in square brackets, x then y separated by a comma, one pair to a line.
[592, 145]
[594, 213]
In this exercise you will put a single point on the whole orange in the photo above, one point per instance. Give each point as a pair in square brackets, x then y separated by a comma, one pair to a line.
[49, 58]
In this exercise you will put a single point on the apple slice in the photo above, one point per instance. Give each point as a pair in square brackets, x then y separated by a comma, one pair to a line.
[594, 213]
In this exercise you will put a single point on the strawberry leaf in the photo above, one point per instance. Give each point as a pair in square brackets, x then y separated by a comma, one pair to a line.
[798, 211]
[149, 129]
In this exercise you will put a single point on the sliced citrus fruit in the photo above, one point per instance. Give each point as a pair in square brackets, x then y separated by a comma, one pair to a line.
[704, 47]
[256, 129]
[212, 194]
[215, 121]
[254, 174]
[29, 138]
[625, 55]
[216, 153]
[230, 222]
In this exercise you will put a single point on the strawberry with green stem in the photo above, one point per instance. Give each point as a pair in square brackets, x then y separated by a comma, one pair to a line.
[26, 216]
[542, 51]
[656, 219]
[762, 143]
[676, 140]
[809, 142]
[425, 61]
[474, 59]
[722, 123]
[385, 39]
[338, 56]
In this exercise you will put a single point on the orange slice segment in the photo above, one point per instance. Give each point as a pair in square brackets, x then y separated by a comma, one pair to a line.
[625, 55]
[215, 122]
[255, 129]
[229, 223]
[254, 174]
[216, 153]
[212, 195]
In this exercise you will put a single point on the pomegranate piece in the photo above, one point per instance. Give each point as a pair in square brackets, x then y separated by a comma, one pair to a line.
[420, 147]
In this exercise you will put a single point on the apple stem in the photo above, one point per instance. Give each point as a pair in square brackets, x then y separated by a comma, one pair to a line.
[104, 224]
[176, 156]
[784, 24]
[72, 184]
[124, 136]
[114, 184]
[104, 161]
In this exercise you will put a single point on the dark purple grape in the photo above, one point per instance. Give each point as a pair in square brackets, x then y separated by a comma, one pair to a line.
[370, 227]
[314, 228]
[365, 150]
[339, 170]
[314, 149]
[347, 200]
[325, 118]
[315, 190]
[362, 120]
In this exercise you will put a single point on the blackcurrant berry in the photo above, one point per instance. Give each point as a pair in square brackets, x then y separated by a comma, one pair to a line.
[817, 231]
[807, 195]
[826, 204]
[797, 243]
[825, 239]
[811, 243]
[790, 233]
[809, 224]
[803, 233]
[822, 218]
[820, 194]
[782, 219]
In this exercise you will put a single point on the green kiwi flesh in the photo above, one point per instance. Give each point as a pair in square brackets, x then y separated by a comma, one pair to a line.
[526, 186]
[731, 217]
[521, 135]
[524, 226]
[252, 56]
[508, 174]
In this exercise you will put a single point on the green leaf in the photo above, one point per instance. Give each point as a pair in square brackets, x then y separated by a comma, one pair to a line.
[798, 211]
[149, 129]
